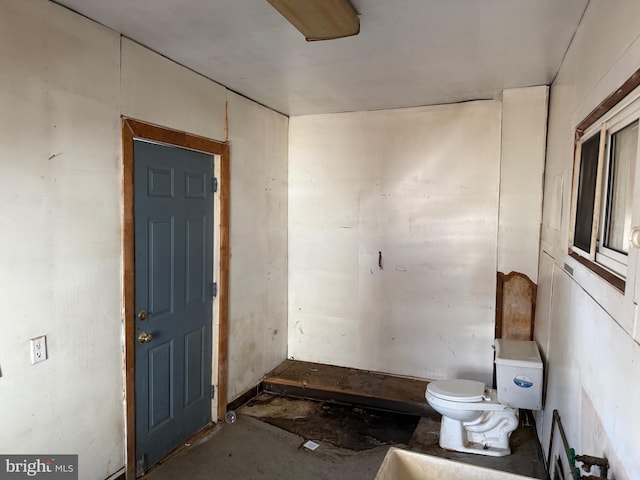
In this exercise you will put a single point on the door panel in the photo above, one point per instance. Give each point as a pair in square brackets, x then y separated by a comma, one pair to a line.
[173, 211]
[161, 265]
[194, 364]
[195, 275]
[160, 384]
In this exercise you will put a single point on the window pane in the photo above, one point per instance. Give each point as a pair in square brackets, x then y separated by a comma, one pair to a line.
[622, 165]
[586, 192]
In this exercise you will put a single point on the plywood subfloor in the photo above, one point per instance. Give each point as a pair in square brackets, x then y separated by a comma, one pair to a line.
[348, 385]
[343, 426]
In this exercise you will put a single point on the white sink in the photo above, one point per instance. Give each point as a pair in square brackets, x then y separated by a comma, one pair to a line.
[405, 465]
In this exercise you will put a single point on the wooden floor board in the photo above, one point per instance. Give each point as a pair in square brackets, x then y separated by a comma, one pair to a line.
[348, 384]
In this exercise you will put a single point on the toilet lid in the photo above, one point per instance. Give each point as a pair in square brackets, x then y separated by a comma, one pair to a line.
[457, 390]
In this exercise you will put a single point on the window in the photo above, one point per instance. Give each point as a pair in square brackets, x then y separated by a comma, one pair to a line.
[604, 178]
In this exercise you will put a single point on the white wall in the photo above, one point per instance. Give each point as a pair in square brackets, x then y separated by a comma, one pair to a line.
[60, 248]
[64, 83]
[583, 325]
[524, 132]
[156, 90]
[421, 186]
[258, 309]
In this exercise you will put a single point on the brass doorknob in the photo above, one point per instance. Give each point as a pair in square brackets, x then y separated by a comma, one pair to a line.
[144, 337]
[143, 314]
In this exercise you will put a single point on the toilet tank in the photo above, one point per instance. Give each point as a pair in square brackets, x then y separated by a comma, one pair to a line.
[519, 374]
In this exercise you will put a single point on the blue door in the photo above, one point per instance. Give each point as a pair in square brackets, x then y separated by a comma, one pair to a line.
[173, 210]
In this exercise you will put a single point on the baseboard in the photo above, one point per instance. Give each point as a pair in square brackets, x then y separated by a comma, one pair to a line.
[245, 397]
[119, 475]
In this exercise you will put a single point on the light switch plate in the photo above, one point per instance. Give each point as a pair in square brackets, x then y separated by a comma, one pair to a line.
[38, 349]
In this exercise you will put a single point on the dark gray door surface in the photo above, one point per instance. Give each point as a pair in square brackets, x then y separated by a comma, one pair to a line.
[173, 270]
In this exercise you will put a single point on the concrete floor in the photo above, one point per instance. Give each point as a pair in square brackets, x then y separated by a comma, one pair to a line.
[252, 448]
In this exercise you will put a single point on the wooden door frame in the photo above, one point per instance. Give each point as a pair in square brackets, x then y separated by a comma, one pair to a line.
[132, 129]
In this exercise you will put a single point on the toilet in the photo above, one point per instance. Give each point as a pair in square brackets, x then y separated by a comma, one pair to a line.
[478, 419]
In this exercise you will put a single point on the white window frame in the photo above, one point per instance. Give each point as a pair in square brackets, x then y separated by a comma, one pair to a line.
[620, 116]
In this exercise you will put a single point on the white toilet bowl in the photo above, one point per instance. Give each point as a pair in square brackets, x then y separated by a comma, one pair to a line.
[473, 420]
[476, 419]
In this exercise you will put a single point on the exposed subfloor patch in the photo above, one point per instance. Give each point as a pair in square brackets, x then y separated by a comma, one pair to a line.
[343, 426]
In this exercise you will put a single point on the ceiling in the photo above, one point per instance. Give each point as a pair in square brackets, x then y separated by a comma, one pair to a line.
[408, 52]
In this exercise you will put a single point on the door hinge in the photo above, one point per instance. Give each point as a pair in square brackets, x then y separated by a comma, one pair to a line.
[214, 184]
[214, 289]
[213, 391]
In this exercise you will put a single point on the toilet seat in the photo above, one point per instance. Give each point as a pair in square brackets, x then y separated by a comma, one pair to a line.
[473, 421]
[457, 390]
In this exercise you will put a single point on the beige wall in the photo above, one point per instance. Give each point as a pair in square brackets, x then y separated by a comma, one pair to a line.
[448, 194]
[421, 186]
[524, 133]
[156, 90]
[583, 325]
[60, 248]
[258, 309]
[64, 83]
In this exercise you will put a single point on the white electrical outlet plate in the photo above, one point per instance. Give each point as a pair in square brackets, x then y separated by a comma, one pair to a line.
[38, 349]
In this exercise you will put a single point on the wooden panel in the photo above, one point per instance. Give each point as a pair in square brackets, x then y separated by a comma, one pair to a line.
[361, 383]
[128, 253]
[515, 306]
[608, 103]
[616, 282]
[223, 290]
